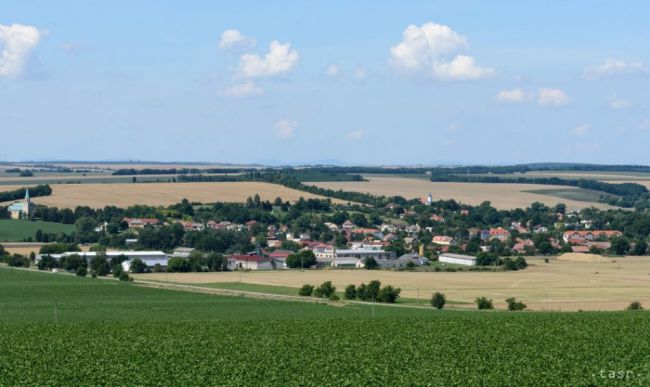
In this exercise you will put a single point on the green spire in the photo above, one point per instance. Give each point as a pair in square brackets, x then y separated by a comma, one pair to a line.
[27, 194]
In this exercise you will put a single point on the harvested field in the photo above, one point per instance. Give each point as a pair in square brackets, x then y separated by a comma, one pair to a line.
[557, 285]
[162, 194]
[502, 196]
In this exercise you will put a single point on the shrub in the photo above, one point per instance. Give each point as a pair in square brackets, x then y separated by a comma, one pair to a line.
[350, 292]
[438, 300]
[47, 263]
[124, 276]
[325, 290]
[635, 305]
[178, 264]
[388, 294]
[484, 303]
[370, 263]
[514, 305]
[81, 271]
[18, 260]
[306, 290]
[369, 292]
[334, 297]
[304, 259]
[137, 266]
[117, 270]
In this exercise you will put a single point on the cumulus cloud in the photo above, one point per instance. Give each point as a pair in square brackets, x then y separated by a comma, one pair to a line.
[581, 130]
[512, 96]
[285, 129]
[356, 135]
[16, 42]
[433, 49]
[619, 103]
[279, 60]
[615, 67]
[233, 39]
[241, 90]
[552, 97]
[333, 70]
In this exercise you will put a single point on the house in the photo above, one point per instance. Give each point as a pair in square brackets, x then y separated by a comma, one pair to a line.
[442, 240]
[192, 226]
[579, 249]
[363, 253]
[140, 222]
[324, 251]
[280, 254]
[347, 226]
[458, 259]
[249, 262]
[582, 237]
[540, 229]
[522, 246]
[389, 228]
[499, 233]
[22, 209]
[477, 232]
[332, 226]
[427, 201]
[350, 263]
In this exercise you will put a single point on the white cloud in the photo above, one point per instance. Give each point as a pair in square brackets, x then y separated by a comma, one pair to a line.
[618, 103]
[285, 129]
[16, 42]
[356, 135]
[233, 39]
[280, 59]
[615, 67]
[512, 96]
[241, 90]
[645, 124]
[581, 130]
[552, 97]
[431, 49]
[333, 70]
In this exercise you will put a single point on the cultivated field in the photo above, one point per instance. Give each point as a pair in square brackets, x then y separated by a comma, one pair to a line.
[502, 196]
[162, 194]
[558, 285]
[18, 230]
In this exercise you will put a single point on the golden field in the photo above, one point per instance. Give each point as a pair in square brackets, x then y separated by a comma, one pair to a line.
[558, 285]
[502, 196]
[161, 194]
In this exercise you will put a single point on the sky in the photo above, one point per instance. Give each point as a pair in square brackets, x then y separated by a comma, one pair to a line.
[335, 82]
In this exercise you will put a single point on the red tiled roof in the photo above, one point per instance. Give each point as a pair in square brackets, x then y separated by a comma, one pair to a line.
[248, 258]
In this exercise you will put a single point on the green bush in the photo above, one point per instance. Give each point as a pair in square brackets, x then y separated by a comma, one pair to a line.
[306, 290]
[388, 294]
[325, 290]
[350, 292]
[438, 300]
[124, 276]
[484, 303]
[81, 271]
[514, 304]
[334, 297]
[635, 305]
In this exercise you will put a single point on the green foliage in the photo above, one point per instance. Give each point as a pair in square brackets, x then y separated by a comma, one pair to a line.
[388, 294]
[17, 260]
[350, 292]
[303, 259]
[370, 263]
[99, 265]
[484, 303]
[179, 265]
[124, 276]
[20, 230]
[325, 290]
[634, 305]
[514, 304]
[306, 290]
[334, 297]
[58, 248]
[438, 300]
[369, 292]
[81, 271]
[137, 266]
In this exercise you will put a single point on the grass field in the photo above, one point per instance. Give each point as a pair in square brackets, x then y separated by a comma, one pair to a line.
[502, 196]
[57, 329]
[162, 194]
[580, 195]
[557, 285]
[18, 230]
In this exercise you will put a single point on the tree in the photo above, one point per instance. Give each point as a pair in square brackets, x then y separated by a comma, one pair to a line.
[369, 292]
[47, 263]
[216, 262]
[301, 260]
[117, 270]
[514, 304]
[99, 265]
[124, 276]
[178, 265]
[370, 263]
[484, 303]
[640, 247]
[137, 266]
[350, 292]
[620, 245]
[306, 290]
[635, 305]
[81, 271]
[388, 294]
[438, 300]
[325, 290]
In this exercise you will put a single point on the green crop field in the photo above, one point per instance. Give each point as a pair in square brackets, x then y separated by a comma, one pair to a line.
[57, 329]
[19, 230]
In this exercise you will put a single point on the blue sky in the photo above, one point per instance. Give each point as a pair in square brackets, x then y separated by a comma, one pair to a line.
[357, 82]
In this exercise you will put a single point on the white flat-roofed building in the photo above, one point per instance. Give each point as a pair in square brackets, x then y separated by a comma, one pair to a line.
[149, 258]
[458, 259]
[364, 253]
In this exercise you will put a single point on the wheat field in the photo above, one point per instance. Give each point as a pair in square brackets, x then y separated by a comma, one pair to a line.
[162, 194]
[502, 196]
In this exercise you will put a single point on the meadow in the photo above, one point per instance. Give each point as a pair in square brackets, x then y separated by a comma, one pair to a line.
[57, 329]
[560, 285]
[502, 196]
[18, 230]
[162, 194]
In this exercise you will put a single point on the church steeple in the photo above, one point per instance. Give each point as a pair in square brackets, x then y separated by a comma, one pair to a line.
[27, 195]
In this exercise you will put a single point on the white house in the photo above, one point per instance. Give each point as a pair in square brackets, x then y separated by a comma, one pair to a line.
[458, 259]
[348, 263]
[250, 262]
